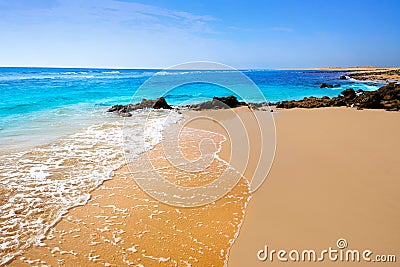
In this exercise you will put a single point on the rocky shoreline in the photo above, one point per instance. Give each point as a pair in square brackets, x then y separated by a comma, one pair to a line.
[161, 103]
[386, 75]
[387, 97]
[124, 110]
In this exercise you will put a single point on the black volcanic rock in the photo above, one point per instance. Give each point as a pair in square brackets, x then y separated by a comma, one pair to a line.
[156, 104]
[219, 103]
[386, 97]
[123, 111]
[231, 101]
[327, 85]
[348, 94]
[115, 108]
[343, 77]
[161, 103]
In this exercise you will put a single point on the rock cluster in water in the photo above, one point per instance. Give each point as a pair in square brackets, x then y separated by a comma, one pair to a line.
[218, 103]
[327, 85]
[124, 110]
[387, 97]
[161, 103]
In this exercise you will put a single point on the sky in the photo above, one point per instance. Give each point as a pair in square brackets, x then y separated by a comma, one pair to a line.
[258, 34]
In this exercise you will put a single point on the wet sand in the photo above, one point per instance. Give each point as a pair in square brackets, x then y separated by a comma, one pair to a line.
[335, 175]
[121, 225]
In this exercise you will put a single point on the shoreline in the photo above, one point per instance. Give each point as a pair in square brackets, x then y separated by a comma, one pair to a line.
[60, 242]
[364, 74]
[355, 68]
[236, 255]
[386, 97]
[203, 108]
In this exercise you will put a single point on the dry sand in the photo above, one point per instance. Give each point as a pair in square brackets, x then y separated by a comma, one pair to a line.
[335, 175]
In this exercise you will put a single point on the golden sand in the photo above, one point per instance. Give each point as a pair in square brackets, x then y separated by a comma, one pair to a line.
[123, 226]
[335, 175]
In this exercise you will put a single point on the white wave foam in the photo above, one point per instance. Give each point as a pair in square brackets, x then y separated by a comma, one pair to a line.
[41, 184]
[163, 73]
[111, 72]
[69, 73]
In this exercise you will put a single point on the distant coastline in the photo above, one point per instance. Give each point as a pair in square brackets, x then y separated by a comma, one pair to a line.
[363, 73]
[354, 68]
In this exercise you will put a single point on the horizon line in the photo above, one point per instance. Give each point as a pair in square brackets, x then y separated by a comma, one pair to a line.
[154, 68]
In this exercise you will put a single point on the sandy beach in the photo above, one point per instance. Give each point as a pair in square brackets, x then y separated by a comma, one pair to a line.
[335, 175]
[179, 133]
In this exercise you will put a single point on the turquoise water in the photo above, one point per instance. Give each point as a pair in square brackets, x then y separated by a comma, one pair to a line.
[39, 103]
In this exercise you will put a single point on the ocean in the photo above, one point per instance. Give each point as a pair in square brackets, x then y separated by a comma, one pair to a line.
[59, 143]
[36, 102]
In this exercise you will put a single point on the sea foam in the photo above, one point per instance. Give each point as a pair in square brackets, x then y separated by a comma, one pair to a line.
[39, 185]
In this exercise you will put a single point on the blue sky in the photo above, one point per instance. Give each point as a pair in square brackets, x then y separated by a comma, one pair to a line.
[161, 33]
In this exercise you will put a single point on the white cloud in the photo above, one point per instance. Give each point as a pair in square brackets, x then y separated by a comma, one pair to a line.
[106, 33]
[148, 16]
